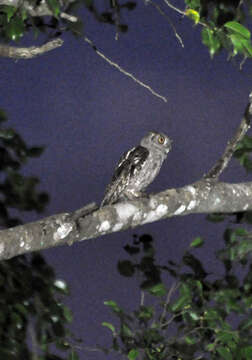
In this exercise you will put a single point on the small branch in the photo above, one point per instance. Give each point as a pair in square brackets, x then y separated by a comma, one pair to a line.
[68, 17]
[172, 290]
[118, 67]
[222, 163]
[169, 21]
[29, 52]
[174, 8]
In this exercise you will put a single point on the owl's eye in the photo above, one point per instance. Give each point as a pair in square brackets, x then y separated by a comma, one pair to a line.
[161, 140]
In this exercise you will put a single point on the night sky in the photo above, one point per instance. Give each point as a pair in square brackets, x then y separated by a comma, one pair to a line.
[87, 114]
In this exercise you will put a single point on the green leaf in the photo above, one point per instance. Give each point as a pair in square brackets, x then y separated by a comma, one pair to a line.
[113, 305]
[9, 11]
[224, 353]
[15, 29]
[157, 290]
[210, 39]
[133, 354]
[193, 15]
[126, 331]
[146, 312]
[190, 340]
[197, 242]
[236, 28]
[54, 6]
[247, 352]
[109, 325]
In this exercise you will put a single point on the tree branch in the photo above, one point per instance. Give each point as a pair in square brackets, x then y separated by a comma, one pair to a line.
[222, 163]
[29, 52]
[202, 197]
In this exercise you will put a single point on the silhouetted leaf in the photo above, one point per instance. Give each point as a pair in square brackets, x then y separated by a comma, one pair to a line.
[126, 268]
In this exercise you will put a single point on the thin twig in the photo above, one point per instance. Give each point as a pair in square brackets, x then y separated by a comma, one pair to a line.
[172, 289]
[181, 12]
[222, 163]
[118, 67]
[169, 21]
[174, 7]
[68, 17]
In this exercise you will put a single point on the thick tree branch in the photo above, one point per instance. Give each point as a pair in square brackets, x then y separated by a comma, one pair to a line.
[202, 197]
[29, 52]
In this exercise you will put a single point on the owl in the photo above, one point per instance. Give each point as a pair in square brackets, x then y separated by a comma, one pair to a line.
[137, 168]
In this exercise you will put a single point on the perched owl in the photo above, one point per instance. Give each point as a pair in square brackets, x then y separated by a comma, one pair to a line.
[137, 168]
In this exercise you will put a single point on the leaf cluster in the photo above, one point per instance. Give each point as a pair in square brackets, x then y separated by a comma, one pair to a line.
[31, 307]
[224, 25]
[16, 190]
[201, 315]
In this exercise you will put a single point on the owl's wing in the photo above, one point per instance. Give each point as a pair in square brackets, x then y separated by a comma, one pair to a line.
[128, 166]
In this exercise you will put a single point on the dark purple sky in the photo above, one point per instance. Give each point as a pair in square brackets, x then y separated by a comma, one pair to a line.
[87, 114]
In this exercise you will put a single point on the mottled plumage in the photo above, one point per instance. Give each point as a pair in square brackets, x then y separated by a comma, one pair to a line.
[137, 168]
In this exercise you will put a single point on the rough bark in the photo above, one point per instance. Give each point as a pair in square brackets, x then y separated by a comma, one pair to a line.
[28, 52]
[202, 197]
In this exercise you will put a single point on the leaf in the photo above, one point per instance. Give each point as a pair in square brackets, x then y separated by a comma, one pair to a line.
[224, 353]
[7, 134]
[54, 6]
[126, 268]
[109, 326]
[215, 217]
[35, 151]
[247, 352]
[67, 314]
[197, 242]
[157, 290]
[210, 39]
[126, 331]
[15, 29]
[133, 354]
[236, 28]
[146, 312]
[193, 15]
[3, 116]
[9, 11]
[113, 305]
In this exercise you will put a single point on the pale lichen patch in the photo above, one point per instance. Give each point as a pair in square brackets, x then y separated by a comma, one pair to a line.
[180, 210]
[155, 214]
[62, 231]
[191, 205]
[1, 248]
[161, 209]
[191, 189]
[150, 217]
[117, 227]
[125, 211]
[105, 225]
[153, 203]
[27, 246]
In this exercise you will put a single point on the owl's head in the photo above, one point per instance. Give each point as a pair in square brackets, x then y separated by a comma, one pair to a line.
[158, 141]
